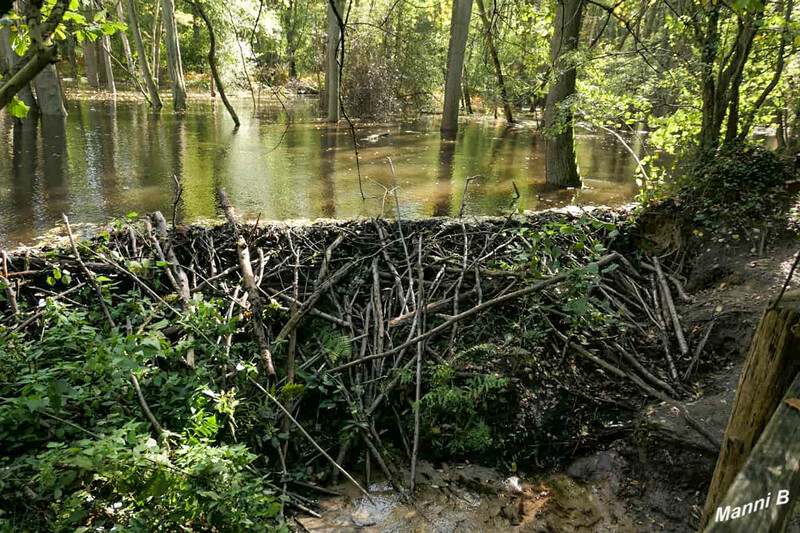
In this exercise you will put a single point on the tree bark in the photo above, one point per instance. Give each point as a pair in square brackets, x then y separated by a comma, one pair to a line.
[332, 72]
[104, 50]
[561, 167]
[126, 45]
[144, 67]
[459, 31]
[212, 62]
[174, 63]
[772, 364]
[49, 92]
[487, 26]
[155, 46]
[90, 60]
[771, 474]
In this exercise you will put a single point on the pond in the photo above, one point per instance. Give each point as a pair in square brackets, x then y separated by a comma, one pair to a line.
[109, 158]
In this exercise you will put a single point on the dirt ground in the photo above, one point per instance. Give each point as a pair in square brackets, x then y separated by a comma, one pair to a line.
[659, 475]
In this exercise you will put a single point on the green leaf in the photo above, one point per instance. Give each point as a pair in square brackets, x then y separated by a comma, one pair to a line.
[17, 108]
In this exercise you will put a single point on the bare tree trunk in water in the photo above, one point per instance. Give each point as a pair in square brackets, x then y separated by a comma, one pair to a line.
[561, 165]
[126, 45]
[487, 26]
[144, 68]
[332, 71]
[10, 58]
[156, 44]
[459, 31]
[174, 63]
[49, 92]
[105, 53]
[212, 62]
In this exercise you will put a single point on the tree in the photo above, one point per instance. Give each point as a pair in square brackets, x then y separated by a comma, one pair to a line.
[332, 71]
[126, 45]
[487, 27]
[40, 52]
[459, 31]
[108, 71]
[144, 67]
[8, 61]
[49, 94]
[174, 63]
[561, 168]
[212, 62]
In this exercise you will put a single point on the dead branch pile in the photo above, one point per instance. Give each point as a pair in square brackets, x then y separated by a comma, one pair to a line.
[596, 324]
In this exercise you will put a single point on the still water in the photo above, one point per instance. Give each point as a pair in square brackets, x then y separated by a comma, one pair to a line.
[107, 159]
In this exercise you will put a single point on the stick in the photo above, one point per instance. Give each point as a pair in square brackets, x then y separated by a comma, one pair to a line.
[253, 296]
[310, 438]
[671, 307]
[603, 261]
[180, 278]
[699, 350]
[158, 427]
[418, 388]
[88, 273]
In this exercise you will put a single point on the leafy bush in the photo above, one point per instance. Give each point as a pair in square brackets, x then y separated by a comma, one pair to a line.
[738, 185]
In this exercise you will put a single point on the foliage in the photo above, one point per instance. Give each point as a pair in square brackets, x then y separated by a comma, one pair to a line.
[741, 186]
[458, 418]
[75, 455]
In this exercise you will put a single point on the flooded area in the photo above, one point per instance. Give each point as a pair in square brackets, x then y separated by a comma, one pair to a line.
[107, 159]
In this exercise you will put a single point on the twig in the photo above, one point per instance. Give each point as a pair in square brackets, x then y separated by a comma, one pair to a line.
[420, 350]
[89, 275]
[148, 413]
[672, 311]
[698, 351]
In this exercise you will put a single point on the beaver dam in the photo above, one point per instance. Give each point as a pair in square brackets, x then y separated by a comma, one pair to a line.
[198, 373]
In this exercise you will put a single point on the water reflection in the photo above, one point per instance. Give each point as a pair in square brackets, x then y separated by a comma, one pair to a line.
[105, 160]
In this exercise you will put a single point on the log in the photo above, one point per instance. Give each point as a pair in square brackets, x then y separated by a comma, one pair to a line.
[771, 366]
[763, 494]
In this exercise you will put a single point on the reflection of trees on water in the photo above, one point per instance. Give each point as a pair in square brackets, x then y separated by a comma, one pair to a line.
[327, 167]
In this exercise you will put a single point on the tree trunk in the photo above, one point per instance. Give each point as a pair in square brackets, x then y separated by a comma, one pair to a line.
[561, 165]
[105, 53]
[155, 46]
[174, 63]
[144, 67]
[49, 92]
[10, 58]
[772, 364]
[487, 26]
[332, 72]
[459, 31]
[126, 45]
[212, 62]
[90, 59]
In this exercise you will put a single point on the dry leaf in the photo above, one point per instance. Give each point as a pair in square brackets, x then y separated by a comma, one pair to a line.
[794, 403]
